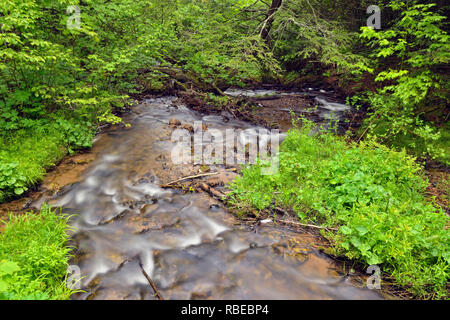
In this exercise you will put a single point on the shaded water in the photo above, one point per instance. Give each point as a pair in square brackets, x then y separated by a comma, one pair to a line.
[328, 109]
[189, 246]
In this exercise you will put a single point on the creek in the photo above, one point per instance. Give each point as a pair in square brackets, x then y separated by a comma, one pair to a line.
[128, 227]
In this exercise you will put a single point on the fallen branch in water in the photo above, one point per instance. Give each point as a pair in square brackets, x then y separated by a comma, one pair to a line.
[211, 191]
[152, 284]
[166, 186]
[193, 177]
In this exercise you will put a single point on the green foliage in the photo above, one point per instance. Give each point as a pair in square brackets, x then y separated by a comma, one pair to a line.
[212, 42]
[58, 83]
[410, 57]
[44, 66]
[307, 31]
[374, 195]
[34, 257]
[25, 155]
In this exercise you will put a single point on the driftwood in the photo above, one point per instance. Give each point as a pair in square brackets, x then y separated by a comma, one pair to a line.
[211, 191]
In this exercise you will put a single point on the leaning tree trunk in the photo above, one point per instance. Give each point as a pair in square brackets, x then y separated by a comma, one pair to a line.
[267, 26]
[185, 79]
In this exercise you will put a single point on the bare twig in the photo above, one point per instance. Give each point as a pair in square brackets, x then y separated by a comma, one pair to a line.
[305, 225]
[152, 284]
[193, 177]
[365, 131]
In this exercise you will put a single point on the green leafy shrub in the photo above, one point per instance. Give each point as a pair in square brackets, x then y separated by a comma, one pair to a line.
[28, 153]
[375, 196]
[410, 59]
[34, 257]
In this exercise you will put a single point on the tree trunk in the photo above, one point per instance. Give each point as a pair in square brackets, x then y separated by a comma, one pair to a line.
[267, 26]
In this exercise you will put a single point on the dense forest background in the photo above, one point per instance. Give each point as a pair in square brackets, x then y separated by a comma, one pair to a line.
[69, 66]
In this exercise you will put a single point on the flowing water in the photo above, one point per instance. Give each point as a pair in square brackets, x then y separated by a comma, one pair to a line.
[327, 108]
[187, 244]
